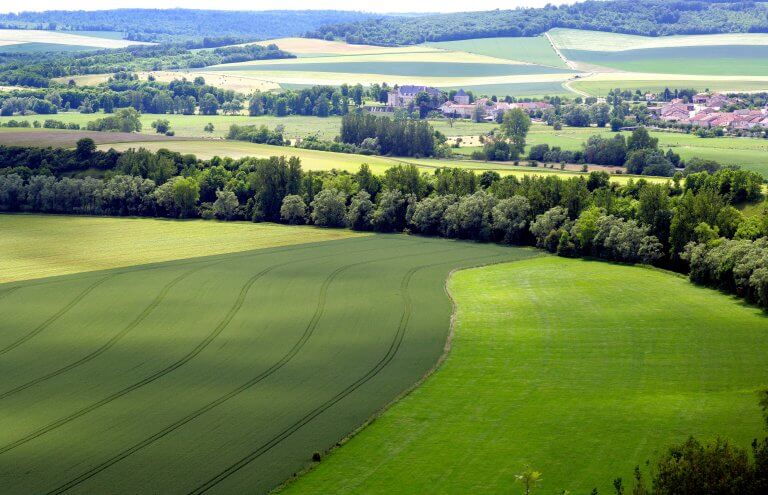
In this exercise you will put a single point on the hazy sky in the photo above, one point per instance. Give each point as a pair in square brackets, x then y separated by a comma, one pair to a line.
[378, 6]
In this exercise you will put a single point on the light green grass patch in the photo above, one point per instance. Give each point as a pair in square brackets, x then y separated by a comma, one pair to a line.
[535, 50]
[581, 370]
[577, 39]
[733, 60]
[36, 246]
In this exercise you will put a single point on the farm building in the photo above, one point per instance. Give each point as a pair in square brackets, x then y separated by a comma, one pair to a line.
[403, 96]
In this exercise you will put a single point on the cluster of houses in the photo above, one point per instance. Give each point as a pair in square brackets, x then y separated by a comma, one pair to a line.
[460, 106]
[708, 110]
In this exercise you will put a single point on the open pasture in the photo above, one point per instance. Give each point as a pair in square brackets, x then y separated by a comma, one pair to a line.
[183, 377]
[580, 370]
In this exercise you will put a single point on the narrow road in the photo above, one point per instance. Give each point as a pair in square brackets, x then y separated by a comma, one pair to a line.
[570, 64]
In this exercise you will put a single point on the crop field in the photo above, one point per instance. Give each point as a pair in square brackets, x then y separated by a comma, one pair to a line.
[310, 47]
[36, 246]
[534, 50]
[741, 60]
[575, 39]
[91, 360]
[577, 369]
[16, 40]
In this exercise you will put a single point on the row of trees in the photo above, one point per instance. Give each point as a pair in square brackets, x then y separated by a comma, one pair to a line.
[674, 224]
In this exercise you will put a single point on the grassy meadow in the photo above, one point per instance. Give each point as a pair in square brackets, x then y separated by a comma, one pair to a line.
[581, 370]
[90, 360]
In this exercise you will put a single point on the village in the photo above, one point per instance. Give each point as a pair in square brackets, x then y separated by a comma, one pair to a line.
[459, 105]
[710, 111]
[704, 110]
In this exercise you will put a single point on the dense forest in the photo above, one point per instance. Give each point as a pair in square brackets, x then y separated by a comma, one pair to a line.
[182, 24]
[644, 17]
[37, 69]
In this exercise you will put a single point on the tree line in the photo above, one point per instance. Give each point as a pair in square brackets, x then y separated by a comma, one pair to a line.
[36, 69]
[166, 25]
[643, 17]
[687, 224]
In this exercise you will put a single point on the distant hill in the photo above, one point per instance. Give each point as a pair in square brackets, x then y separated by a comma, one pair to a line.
[183, 24]
[643, 17]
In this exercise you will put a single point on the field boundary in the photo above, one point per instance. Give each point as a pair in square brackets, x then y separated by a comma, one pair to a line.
[428, 374]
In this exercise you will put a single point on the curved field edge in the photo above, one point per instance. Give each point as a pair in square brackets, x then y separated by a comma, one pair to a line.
[36, 246]
[580, 369]
[530, 252]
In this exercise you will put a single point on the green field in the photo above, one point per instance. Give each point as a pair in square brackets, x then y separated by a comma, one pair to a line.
[36, 246]
[181, 376]
[735, 60]
[580, 369]
[534, 50]
[43, 47]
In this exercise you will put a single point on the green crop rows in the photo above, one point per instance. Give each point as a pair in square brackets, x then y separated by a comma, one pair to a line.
[222, 373]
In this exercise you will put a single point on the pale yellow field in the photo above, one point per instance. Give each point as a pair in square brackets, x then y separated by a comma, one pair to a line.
[575, 39]
[36, 246]
[424, 55]
[308, 46]
[16, 36]
[235, 82]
